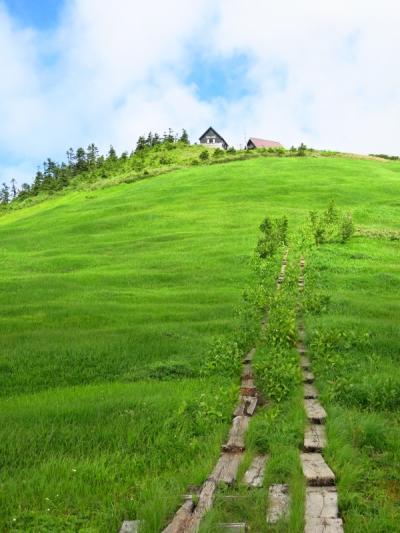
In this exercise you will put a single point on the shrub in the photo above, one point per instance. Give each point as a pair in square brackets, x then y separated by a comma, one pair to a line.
[204, 155]
[224, 357]
[277, 374]
[231, 150]
[218, 152]
[346, 228]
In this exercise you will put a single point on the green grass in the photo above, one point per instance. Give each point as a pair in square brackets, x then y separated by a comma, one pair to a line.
[355, 353]
[104, 292]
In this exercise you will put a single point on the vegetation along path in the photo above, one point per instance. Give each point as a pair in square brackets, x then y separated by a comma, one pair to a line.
[189, 516]
[321, 506]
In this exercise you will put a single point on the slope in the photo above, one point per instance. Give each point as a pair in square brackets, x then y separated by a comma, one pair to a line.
[109, 298]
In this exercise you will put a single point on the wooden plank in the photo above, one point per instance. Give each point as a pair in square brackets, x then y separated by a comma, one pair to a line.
[321, 502]
[233, 526]
[314, 438]
[225, 471]
[316, 471]
[314, 410]
[236, 434]
[278, 503]
[130, 526]
[324, 525]
[249, 356]
[310, 391]
[204, 504]
[254, 476]
[305, 362]
[181, 518]
[247, 371]
[248, 387]
[308, 377]
[247, 405]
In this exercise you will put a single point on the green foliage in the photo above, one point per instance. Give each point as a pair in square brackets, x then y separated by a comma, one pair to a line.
[274, 234]
[277, 373]
[330, 225]
[218, 152]
[346, 228]
[223, 358]
[204, 155]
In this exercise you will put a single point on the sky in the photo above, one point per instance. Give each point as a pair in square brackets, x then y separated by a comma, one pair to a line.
[74, 72]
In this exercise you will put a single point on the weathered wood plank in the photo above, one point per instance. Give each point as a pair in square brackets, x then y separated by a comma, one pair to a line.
[247, 405]
[181, 518]
[308, 377]
[321, 502]
[248, 387]
[130, 526]
[314, 410]
[233, 526]
[236, 434]
[247, 371]
[249, 356]
[204, 504]
[324, 525]
[225, 471]
[305, 362]
[278, 503]
[254, 476]
[310, 391]
[316, 471]
[314, 438]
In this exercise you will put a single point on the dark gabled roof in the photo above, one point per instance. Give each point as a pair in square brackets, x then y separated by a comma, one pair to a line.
[264, 143]
[216, 133]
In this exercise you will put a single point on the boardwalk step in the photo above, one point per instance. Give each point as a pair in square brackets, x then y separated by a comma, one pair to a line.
[247, 405]
[324, 525]
[305, 362]
[248, 387]
[130, 526]
[278, 503]
[247, 371]
[236, 434]
[310, 391]
[233, 526]
[321, 502]
[204, 504]
[225, 471]
[316, 471]
[315, 438]
[308, 377]
[315, 412]
[249, 356]
[254, 476]
[181, 518]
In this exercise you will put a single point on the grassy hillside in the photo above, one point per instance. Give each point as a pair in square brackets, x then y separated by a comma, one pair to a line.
[110, 300]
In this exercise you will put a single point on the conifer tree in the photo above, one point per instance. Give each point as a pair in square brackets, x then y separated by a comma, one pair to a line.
[112, 154]
[14, 191]
[92, 153]
[184, 138]
[4, 194]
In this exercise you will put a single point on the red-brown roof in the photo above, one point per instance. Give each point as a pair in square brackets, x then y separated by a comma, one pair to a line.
[263, 143]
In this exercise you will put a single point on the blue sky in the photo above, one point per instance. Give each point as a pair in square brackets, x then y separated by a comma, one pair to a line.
[41, 14]
[79, 71]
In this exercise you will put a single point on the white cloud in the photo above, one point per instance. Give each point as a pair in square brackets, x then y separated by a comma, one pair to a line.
[323, 73]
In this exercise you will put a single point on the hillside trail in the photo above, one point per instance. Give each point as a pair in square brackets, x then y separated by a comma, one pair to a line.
[321, 499]
[189, 516]
[321, 504]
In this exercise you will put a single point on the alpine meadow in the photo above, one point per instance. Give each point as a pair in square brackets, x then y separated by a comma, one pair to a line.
[130, 294]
